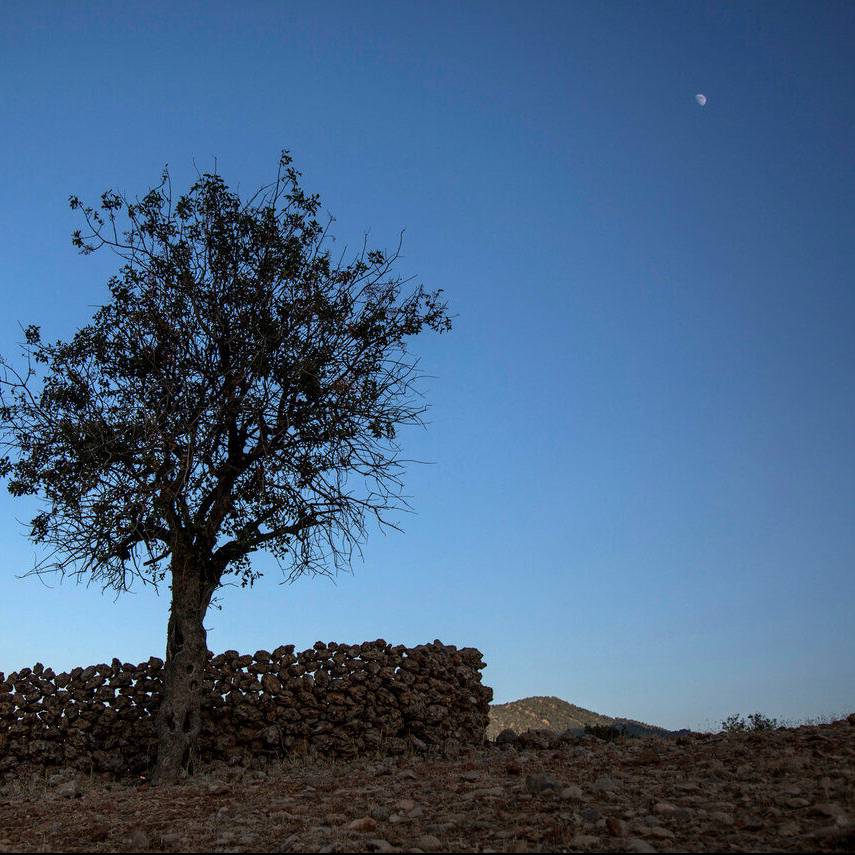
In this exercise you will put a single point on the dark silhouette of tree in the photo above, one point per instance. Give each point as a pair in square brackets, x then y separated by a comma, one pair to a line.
[240, 391]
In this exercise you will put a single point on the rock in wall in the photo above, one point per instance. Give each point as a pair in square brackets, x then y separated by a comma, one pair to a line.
[334, 699]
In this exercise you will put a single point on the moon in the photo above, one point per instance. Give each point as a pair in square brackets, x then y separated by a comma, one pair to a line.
[701, 99]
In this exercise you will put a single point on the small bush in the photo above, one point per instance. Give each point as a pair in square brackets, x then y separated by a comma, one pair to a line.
[606, 732]
[734, 724]
[756, 721]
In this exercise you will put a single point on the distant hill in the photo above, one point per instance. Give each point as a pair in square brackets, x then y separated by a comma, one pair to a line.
[555, 714]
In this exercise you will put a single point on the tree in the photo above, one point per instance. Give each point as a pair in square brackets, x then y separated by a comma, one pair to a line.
[240, 391]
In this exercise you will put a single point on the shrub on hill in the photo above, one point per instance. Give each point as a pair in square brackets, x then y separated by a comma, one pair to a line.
[756, 721]
[609, 732]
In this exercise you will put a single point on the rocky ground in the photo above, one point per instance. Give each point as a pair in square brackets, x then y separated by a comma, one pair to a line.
[782, 790]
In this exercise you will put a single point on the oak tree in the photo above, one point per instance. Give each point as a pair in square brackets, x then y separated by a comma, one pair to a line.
[240, 390]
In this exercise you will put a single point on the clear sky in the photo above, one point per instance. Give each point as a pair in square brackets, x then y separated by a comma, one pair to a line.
[643, 479]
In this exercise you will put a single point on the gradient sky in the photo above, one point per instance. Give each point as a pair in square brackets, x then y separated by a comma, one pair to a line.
[643, 469]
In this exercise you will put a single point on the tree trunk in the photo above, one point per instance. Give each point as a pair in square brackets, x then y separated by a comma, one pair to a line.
[179, 719]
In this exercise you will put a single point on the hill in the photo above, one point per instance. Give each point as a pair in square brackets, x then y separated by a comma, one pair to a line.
[558, 715]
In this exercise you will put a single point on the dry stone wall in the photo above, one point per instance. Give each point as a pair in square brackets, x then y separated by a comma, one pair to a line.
[334, 699]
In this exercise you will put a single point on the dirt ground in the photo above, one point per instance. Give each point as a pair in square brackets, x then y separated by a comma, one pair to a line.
[781, 790]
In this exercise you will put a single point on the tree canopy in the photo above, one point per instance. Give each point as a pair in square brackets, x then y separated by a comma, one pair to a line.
[241, 390]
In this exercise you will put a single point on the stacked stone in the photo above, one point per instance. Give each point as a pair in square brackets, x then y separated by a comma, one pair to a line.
[334, 699]
[98, 717]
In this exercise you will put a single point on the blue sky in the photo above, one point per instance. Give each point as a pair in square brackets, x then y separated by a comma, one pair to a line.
[643, 468]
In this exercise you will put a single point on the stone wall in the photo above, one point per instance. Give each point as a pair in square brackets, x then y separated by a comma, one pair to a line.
[335, 699]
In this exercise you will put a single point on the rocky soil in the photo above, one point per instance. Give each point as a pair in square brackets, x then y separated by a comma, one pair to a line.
[782, 790]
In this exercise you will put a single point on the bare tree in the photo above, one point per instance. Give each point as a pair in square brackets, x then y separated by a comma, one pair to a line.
[240, 391]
